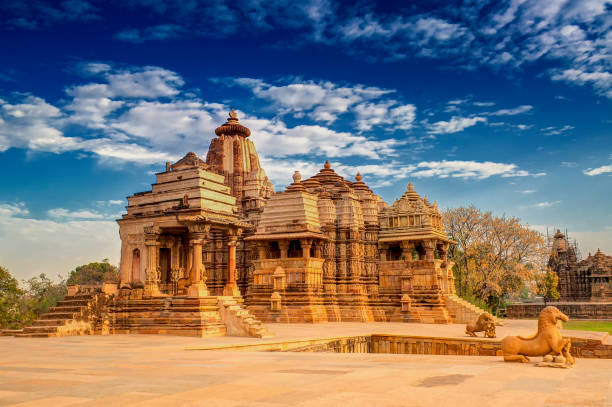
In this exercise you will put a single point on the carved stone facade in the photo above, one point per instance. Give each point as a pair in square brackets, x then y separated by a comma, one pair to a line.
[587, 280]
[325, 249]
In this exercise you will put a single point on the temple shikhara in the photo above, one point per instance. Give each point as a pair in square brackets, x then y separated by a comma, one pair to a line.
[212, 249]
[586, 280]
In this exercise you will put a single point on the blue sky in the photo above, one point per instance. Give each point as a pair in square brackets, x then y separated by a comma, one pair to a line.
[506, 105]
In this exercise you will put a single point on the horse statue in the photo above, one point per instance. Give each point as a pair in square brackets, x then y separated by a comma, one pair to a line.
[547, 341]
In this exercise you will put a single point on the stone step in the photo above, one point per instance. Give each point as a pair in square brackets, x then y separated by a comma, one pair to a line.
[58, 315]
[40, 329]
[35, 335]
[64, 308]
[50, 322]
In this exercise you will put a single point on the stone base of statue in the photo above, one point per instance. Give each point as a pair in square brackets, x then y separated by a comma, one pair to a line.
[231, 290]
[554, 361]
[198, 290]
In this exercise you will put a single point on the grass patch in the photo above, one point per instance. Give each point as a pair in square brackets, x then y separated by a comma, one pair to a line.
[597, 326]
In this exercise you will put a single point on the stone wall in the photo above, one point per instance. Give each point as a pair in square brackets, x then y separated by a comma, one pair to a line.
[575, 310]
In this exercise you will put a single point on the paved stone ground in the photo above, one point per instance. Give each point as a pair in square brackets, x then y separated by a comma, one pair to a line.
[148, 370]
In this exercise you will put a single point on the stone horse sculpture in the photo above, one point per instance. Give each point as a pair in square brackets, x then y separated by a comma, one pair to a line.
[547, 341]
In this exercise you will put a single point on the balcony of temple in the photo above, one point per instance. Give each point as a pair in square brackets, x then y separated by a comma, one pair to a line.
[413, 261]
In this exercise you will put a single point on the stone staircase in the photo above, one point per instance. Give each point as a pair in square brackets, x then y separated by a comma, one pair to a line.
[67, 318]
[239, 321]
[430, 306]
[462, 311]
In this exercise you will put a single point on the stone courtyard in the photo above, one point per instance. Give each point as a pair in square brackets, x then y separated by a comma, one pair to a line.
[153, 370]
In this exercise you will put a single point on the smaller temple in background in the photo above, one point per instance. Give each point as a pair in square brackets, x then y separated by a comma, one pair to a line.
[586, 280]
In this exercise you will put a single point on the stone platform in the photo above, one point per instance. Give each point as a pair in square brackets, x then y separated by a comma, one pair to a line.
[149, 370]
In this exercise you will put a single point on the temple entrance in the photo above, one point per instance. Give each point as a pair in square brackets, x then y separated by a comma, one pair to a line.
[164, 265]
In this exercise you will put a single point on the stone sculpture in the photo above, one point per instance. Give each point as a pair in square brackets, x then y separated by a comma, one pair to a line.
[546, 341]
[485, 323]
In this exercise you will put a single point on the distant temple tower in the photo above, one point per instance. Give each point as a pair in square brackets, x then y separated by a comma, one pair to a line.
[587, 280]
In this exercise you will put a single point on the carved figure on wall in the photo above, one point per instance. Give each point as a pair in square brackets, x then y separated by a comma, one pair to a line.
[546, 341]
[485, 323]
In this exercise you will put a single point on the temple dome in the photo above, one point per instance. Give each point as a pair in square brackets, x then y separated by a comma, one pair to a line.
[232, 127]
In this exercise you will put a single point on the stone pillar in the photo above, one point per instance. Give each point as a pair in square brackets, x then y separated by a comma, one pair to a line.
[407, 249]
[306, 243]
[261, 250]
[152, 270]
[175, 266]
[429, 247]
[317, 251]
[125, 267]
[382, 253]
[231, 288]
[197, 237]
[284, 248]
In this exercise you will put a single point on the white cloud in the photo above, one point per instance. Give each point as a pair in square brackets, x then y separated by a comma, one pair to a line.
[546, 204]
[322, 101]
[569, 164]
[32, 123]
[149, 82]
[604, 169]
[325, 101]
[527, 191]
[14, 209]
[468, 169]
[369, 115]
[556, 130]
[275, 139]
[600, 80]
[512, 112]
[80, 214]
[455, 124]
[484, 104]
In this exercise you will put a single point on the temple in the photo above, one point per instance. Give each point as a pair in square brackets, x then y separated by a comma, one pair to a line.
[586, 280]
[211, 249]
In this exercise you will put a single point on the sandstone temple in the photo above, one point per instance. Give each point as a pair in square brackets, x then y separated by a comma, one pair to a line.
[586, 280]
[212, 249]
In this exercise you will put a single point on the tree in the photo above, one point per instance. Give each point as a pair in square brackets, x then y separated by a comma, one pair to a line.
[494, 256]
[547, 286]
[41, 293]
[94, 273]
[10, 300]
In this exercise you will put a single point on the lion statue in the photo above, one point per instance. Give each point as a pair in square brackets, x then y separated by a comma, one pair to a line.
[547, 341]
[485, 323]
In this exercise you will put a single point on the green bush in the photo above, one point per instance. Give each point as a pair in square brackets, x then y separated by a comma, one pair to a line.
[94, 273]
